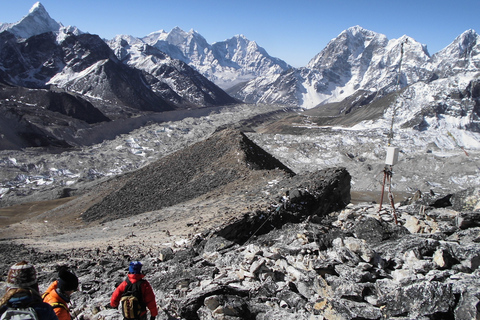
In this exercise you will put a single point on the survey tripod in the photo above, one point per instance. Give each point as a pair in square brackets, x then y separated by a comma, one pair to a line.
[387, 179]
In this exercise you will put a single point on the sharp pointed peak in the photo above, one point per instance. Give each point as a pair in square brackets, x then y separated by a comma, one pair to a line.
[37, 21]
[177, 29]
[470, 33]
[36, 7]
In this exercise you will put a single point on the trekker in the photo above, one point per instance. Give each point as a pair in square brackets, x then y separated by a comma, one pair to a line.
[22, 292]
[136, 283]
[59, 292]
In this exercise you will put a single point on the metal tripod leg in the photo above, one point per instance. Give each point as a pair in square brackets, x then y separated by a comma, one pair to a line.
[383, 188]
[392, 202]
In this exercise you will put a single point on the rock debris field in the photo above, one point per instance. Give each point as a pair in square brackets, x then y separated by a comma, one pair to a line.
[257, 241]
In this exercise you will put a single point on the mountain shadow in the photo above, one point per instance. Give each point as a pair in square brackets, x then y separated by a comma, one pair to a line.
[43, 118]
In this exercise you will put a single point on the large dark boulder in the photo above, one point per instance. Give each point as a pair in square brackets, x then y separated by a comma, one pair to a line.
[314, 196]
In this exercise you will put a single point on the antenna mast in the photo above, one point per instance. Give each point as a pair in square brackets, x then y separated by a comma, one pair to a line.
[392, 152]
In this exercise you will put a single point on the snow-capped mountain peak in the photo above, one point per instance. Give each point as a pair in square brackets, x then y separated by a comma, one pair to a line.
[226, 62]
[349, 44]
[37, 7]
[466, 41]
[357, 30]
[36, 22]
[462, 55]
[464, 45]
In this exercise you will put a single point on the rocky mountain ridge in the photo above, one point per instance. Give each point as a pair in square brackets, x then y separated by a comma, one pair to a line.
[360, 59]
[220, 160]
[55, 56]
[133, 77]
[226, 63]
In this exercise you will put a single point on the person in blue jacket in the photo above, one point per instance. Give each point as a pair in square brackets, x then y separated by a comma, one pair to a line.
[22, 292]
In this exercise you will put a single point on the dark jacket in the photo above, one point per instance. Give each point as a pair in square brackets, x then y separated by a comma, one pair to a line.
[24, 298]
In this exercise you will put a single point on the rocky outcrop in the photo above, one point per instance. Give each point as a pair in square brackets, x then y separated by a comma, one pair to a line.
[307, 196]
[337, 270]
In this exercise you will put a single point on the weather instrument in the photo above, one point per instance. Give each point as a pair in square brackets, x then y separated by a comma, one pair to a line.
[392, 152]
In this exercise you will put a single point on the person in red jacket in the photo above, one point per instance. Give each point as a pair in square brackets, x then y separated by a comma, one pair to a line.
[59, 292]
[148, 296]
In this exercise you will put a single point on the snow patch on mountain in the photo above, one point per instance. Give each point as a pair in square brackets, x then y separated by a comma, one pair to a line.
[430, 110]
[68, 76]
[310, 96]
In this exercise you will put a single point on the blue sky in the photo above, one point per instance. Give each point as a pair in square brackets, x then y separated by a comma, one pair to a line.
[294, 31]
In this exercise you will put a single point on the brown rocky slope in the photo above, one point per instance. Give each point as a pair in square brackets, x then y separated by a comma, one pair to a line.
[222, 159]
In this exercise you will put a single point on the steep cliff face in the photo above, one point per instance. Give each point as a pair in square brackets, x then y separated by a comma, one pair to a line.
[461, 56]
[55, 119]
[168, 77]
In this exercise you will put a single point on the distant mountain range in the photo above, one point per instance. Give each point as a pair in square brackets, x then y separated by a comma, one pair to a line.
[360, 59]
[50, 55]
[226, 63]
[178, 70]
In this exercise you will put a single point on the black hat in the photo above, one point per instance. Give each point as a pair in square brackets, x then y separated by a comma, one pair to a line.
[67, 281]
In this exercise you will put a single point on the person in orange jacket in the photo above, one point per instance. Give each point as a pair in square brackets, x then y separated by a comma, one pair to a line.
[148, 296]
[59, 292]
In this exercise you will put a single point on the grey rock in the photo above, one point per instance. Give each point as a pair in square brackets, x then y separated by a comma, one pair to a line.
[346, 289]
[465, 220]
[354, 274]
[217, 244]
[466, 200]
[468, 306]
[347, 309]
[374, 231]
[292, 299]
[418, 299]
